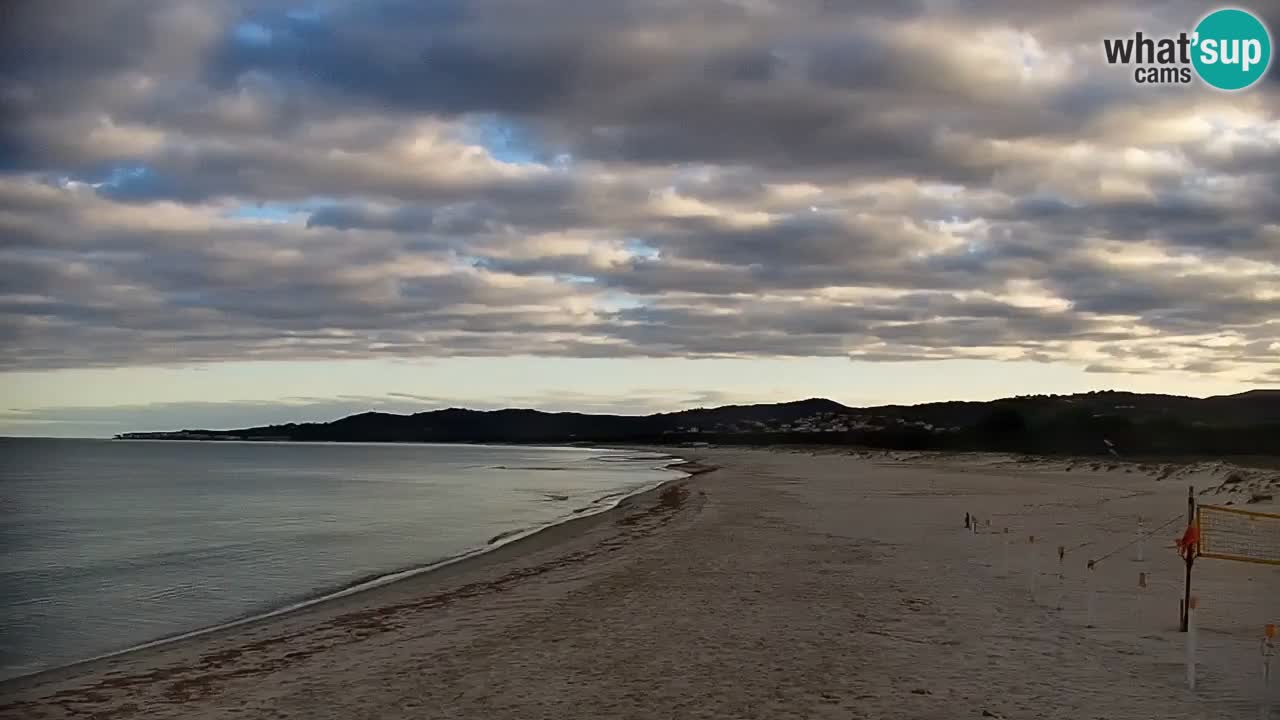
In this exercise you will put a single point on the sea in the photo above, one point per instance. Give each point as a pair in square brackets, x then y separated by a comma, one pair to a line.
[106, 545]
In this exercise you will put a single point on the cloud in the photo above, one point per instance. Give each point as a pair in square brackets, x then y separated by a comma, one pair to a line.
[193, 182]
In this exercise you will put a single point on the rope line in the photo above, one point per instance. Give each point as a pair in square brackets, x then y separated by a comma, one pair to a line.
[1074, 548]
[1143, 536]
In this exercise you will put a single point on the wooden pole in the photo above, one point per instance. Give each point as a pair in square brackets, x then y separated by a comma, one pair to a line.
[1191, 644]
[1190, 558]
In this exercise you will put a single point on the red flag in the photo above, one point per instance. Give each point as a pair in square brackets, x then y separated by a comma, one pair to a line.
[1189, 543]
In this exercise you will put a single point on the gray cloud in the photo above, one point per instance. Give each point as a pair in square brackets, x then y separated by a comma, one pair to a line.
[711, 178]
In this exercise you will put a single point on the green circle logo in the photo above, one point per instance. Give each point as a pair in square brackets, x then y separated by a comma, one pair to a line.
[1232, 49]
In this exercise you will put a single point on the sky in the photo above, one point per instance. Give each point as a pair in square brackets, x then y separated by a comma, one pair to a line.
[226, 213]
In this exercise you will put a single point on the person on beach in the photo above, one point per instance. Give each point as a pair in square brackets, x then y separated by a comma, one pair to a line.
[966, 521]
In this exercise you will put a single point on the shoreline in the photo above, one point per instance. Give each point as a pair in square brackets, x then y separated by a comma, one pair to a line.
[502, 547]
[782, 585]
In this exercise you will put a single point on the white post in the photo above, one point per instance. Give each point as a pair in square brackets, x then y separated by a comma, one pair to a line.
[1142, 541]
[1093, 596]
[1033, 565]
[1268, 649]
[1004, 557]
[1191, 644]
[1062, 575]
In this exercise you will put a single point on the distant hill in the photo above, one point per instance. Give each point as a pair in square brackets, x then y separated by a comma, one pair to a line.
[1087, 423]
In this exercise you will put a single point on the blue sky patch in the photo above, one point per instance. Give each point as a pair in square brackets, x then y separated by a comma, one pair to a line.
[506, 140]
[251, 33]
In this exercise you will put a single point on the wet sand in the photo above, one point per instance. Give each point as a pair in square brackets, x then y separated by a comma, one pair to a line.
[782, 585]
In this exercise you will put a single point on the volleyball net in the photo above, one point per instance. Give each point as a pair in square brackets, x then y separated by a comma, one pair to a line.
[1242, 535]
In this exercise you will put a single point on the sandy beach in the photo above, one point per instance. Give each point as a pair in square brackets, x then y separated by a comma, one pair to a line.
[783, 584]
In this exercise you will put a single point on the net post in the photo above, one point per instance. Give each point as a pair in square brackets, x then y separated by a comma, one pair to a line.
[1189, 559]
[1191, 643]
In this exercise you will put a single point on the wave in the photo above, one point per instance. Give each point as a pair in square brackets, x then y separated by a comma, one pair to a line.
[646, 457]
[543, 468]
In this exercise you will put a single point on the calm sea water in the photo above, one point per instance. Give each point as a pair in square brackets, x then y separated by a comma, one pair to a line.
[105, 545]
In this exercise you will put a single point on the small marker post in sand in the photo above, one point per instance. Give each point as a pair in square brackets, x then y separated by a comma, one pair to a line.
[1033, 565]
[1004, 557]
[1142, 580]
[1142, 541]
[1062, 576]
[1191, 642]
[1092, 600]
